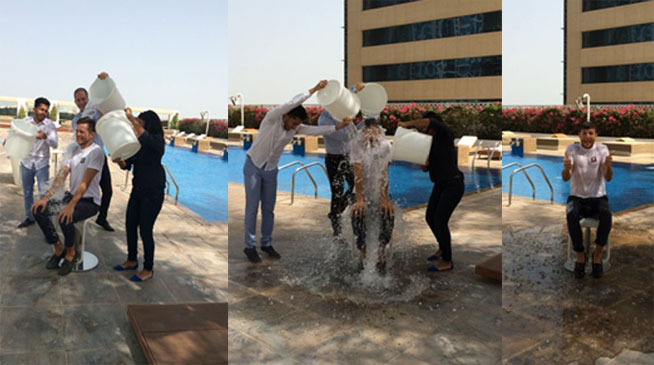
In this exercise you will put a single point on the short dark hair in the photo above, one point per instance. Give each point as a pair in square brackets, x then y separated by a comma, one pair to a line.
[587, 125]
[432, 115]
[80, 89]
[369, 122]
[298, 112]
[41, 100]
[89, 122]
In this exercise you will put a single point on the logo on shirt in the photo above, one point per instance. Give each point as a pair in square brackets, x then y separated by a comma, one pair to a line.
[593, 159]
[84, 160]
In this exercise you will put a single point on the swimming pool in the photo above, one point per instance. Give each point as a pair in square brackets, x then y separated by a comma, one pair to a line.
[409, 185]
[202, 180]
[632, 184]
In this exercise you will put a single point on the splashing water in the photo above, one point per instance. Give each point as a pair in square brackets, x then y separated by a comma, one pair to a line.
[341, 274]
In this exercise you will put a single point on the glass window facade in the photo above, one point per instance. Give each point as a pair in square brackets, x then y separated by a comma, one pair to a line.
[373, 4]
[621, 35]
[439, 69]
[433, 29]
[622, 73]
[589, 5]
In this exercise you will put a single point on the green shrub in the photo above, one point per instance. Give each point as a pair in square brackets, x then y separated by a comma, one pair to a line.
[22, 113]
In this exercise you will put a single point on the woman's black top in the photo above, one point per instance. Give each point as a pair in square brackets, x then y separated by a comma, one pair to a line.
[442, 155]
[148, 173]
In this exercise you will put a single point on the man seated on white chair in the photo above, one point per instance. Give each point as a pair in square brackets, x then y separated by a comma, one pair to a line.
[84, 160]
[588, 165]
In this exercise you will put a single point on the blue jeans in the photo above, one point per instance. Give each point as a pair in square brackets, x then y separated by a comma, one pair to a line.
[27, 175]
[260, 186]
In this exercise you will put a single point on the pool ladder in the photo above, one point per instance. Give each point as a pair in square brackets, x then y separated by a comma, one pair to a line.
[533, 187]
[305, 168]
[167, 183]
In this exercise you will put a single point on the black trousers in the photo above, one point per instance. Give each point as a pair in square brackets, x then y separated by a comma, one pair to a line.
[107, 191]
[85, 208]
[385, 234]
[598, 208]
[142, 211]
[339, 171]
[445, 196]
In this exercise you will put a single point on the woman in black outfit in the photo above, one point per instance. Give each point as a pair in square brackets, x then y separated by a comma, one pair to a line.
[448, 185]
[147, 195]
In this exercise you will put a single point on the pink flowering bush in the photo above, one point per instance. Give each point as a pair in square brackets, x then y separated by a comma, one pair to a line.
[480, 120]
[619, 121]
[217, 127]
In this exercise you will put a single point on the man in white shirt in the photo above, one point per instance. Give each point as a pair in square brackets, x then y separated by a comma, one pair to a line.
[370, 155]
[588, 165]
[37, 162]
[84, 160]
[260, 170]
[81, 100]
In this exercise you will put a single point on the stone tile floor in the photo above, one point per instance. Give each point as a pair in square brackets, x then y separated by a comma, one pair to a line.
[549, 316]
[82, 318]
[298, 309]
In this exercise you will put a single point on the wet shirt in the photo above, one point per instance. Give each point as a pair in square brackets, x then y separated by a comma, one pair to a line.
[443, 164]
[39, 155]
[78, 160]
[272, 137]
[587, 180]
[93, 114]
[148, 173]
[374, 159]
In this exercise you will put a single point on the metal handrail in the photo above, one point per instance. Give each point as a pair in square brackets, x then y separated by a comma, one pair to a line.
[174, 182]
[167, 184]
[524, 168]
[490, 150]
[533, 187]
[315, 185]
[305, 167]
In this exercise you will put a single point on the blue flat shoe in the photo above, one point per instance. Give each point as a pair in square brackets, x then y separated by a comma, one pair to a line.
[433, 268]
[137, 279]
[120, 268]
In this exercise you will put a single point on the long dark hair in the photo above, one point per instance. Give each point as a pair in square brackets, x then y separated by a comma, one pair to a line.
[152, 122]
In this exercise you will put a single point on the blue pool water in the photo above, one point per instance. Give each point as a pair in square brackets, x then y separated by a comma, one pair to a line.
[632, 184]
[202, 180]
[409, 185]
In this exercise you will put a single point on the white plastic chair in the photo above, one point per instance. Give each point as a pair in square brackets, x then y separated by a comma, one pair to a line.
[87, 261]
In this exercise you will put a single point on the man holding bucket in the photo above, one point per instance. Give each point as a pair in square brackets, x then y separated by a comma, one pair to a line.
[260, 170]
[37, 162]
[338, 167]
[81, 100]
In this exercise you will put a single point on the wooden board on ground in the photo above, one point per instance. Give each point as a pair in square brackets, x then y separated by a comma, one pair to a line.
[491, 268]
[181, 333]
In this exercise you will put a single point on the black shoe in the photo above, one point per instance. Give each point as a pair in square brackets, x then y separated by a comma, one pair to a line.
[104, 224]
[26, 223]
[271, 252]
[53, 261]
[381, 267]
[598, 270]
[67, 266]
[580, 270]
[252, 255]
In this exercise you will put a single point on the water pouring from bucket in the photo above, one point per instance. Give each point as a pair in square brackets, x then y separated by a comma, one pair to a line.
[340, 102]
[373, 99]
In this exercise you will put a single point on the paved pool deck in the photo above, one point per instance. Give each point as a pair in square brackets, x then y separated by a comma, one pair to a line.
[549, 316]
[452, 318]
[82, 318]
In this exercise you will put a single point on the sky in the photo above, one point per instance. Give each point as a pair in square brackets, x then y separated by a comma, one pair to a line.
[161, 54]
[278, 49]
[532, 51]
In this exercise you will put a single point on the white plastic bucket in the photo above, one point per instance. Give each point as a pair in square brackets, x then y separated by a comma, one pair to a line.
[20, 138]
[340, 102]
[373, 100]
[411, 146]
[118, 135]
[104, 96]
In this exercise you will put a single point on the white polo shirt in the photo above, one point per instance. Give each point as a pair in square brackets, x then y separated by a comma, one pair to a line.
[39, 155]
[78, 160]
[587, 180]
